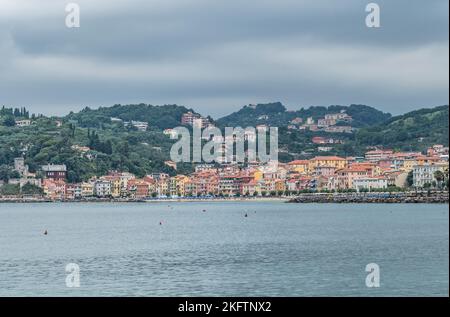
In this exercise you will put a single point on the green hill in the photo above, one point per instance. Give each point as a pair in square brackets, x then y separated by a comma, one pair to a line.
[275, 114]
[415, 130]
[162, 117]
[113, 147]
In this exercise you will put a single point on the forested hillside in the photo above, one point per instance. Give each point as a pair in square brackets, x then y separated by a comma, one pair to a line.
[111, 148]
[161, 117]
[414, 130]
[275, 114]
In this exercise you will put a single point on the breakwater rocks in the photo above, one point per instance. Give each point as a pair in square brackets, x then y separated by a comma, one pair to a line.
[379, 198]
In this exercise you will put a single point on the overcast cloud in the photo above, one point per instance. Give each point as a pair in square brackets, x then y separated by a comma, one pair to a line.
[217, 55]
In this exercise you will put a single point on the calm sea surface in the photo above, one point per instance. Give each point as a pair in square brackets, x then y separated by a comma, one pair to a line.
[177, 249]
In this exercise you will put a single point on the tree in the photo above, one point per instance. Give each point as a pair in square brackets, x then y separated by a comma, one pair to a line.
[4, 175]
[440, 177]
[14, 174]
[410, 179]
[10, 190]
[30, 189]
[9, 121]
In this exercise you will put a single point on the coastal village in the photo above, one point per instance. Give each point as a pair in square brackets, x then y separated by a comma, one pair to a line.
[379, 170]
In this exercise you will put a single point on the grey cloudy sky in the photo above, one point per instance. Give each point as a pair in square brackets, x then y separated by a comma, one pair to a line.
[218, 55]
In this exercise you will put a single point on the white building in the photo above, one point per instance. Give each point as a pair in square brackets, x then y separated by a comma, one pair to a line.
[424, 174]
[77, 191]
[262, 128]
[204, 167]
[23, 123]
[378, 155]
[172, 133]
[23, 181]
[370, 183]
[102, 188]
[342, 116]
[324, 148]
[141, 126]
[339, 129]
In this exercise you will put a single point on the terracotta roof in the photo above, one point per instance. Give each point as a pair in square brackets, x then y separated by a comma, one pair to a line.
[298, 162]
[353, 169]
[328, 158]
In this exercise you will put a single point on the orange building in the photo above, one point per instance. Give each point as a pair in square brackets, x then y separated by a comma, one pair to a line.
[345, 177]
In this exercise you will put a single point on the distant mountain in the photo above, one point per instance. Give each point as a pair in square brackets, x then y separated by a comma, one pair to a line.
[275, 114]
[162, 117]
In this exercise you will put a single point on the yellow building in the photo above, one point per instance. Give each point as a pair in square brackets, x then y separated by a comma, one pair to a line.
[422, 160]
[328, 161]
[177, 185]
[409, 164]
[182, 184]
[258, 175]
[87, 190]
[280, 185]
[152, 187]
[299, 166]
[377, 171]
[115, 187]
[162, 186]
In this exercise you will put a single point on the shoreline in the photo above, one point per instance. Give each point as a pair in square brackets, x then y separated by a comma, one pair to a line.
[324, 198]
[375, 198]
[126, 201]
